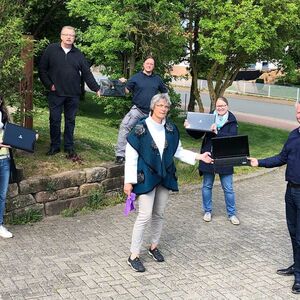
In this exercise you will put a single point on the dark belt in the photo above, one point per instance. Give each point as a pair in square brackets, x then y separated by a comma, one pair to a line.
[294, 185]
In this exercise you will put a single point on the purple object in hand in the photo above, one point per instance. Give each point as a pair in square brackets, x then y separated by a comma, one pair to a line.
[129, 205]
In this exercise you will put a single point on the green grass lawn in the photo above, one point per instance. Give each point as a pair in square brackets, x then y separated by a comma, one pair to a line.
[95, 139]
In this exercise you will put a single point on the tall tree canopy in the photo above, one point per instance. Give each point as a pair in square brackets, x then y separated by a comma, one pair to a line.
[45, 18]
[234, 33]
[11, 43]
[121, 33]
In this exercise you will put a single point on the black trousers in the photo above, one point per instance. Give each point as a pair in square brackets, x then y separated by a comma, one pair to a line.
[292, 204]
[57, 105]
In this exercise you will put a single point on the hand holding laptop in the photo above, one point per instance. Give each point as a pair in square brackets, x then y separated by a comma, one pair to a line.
[214, 128]
[4, 146]
[206, 157]
[253, 161]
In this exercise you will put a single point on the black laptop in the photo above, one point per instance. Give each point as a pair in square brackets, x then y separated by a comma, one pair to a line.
[19, 137]
[230, 150]
[200, 121]
[112, 88]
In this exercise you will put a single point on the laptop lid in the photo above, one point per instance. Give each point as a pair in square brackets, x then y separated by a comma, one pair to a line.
[230, 146]
[112, 88]
[19, 137]
[200, 121]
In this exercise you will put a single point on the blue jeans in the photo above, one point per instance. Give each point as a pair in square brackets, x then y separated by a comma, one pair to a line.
[57, 105]
[292, 209]
[4, 179]
[226, 182]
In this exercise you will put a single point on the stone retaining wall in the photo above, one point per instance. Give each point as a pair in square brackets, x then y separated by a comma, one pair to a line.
[52, 194]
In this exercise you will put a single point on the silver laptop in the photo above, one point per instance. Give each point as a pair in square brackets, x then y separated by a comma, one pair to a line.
[19, 137]
[200, 121]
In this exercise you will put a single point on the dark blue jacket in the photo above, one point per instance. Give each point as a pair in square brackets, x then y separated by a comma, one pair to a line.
[228, 129]
[151, 169]
[143, 88]
[65, 71]
[289, 155]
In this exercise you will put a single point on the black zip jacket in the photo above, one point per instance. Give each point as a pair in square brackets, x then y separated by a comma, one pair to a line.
[65, 71]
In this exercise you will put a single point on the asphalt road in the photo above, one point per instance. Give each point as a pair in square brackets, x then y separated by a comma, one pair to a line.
[265, 107]
[277, 113]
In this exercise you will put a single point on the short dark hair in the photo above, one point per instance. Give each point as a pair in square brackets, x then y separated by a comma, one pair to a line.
[149, 57]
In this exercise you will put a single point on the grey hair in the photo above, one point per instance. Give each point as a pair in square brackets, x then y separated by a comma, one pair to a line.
[156, 98]
[68, 27]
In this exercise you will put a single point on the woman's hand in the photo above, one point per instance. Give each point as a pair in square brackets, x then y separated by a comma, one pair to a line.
[213, 128]
[127, 189]
[186, 124]
[4, 146]
[206, 157]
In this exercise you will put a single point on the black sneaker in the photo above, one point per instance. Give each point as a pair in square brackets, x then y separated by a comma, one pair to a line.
[156, 255]
[136, 264]
[52, 151]
[120, 160]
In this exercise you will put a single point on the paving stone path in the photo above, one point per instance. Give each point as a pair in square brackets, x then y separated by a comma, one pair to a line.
[85, 257]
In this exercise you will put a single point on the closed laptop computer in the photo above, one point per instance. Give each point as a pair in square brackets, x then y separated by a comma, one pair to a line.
[200, 121]
[19, 137]
[230, 150]
[112, 88]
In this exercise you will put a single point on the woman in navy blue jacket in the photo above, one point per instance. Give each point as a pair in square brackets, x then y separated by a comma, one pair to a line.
[226, 125]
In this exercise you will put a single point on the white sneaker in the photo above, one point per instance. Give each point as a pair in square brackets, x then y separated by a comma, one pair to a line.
[5, 233]
[207, 217]
[234, 220]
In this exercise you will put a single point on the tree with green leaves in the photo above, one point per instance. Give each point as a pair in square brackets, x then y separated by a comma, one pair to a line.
[11, 43]
[45, 18]
[232, 34]
[120, 34]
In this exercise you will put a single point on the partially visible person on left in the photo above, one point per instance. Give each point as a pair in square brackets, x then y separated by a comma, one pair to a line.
[4, 169]
[150, 173]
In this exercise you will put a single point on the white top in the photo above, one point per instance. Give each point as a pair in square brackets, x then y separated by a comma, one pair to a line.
[67, 50]
[1, 124]
[157, 132]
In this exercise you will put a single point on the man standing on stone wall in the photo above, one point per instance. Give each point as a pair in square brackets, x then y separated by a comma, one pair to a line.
[61, 68]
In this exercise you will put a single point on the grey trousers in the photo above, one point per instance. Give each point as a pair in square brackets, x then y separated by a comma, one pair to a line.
[151, 207]
[126, 125]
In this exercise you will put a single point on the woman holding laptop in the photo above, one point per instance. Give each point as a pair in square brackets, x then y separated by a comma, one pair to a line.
[225, 125]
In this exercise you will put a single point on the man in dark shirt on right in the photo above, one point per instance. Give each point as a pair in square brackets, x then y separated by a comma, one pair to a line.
[143, 86]
[290, 155]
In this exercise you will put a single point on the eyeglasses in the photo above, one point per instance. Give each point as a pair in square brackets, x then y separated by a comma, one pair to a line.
[68, 34]
[162, 106]
[221, 106]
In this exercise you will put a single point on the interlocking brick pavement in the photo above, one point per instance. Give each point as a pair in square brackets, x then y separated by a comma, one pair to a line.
[85, 257]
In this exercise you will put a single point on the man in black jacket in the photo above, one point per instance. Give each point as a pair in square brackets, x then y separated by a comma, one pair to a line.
[61, 67]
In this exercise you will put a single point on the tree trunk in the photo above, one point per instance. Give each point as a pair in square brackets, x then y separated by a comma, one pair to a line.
[194, 48]
[132, 62]
[194, 92]
[224, 76]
